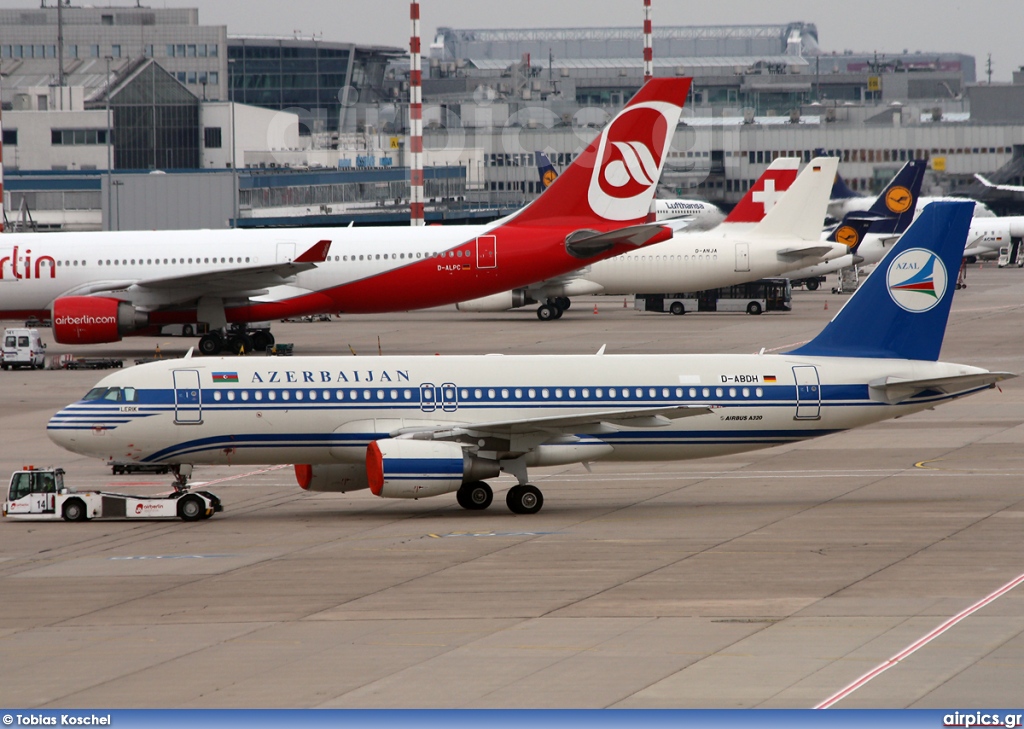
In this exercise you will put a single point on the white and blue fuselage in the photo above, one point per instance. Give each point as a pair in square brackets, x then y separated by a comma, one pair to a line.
[322, 410]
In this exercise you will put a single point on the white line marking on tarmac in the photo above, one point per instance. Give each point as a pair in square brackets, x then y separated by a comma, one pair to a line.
[919, 643]
[240, 475]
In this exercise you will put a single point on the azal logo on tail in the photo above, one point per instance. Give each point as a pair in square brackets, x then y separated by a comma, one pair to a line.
[916, 280]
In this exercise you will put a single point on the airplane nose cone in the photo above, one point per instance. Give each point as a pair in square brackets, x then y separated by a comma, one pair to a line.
[68, 432]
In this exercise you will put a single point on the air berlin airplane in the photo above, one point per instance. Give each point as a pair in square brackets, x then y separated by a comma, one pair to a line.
[98, 287]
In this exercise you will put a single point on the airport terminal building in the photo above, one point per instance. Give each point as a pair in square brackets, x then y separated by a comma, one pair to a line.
[154, 90]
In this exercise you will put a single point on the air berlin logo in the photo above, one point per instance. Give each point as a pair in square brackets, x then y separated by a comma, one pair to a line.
[630, 155]
[917, 280]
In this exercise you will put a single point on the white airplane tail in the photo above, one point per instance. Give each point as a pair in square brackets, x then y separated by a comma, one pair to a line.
[800, 213]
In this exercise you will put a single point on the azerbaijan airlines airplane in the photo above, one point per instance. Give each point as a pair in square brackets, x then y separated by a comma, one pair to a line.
[99, 287]
[412, 427]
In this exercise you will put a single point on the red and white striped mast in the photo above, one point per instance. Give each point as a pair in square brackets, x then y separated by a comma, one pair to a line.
[648, 43]
[2, 172]
[415, 121]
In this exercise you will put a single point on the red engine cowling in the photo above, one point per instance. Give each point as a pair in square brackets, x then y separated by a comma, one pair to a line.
[339, 478]
[94, 319]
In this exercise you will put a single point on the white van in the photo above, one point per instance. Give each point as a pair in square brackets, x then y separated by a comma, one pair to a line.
[23, 348]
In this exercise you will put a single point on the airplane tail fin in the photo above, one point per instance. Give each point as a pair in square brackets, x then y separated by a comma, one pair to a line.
[546, 170]
[851, 231]
[613, 182]
[901, 310]
[897, 203]
[801, 211]
[840, 190]
[764, 193]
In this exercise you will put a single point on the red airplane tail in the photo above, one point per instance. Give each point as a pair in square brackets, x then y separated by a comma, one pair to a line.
[612, 183]
[764, 193]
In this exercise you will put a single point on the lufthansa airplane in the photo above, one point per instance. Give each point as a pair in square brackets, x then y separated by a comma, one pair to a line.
[98, 287]
[412, 427]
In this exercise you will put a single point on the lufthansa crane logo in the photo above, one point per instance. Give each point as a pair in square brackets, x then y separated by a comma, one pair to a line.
[917, 280]
[629, 159]
[549, 177]
[898, 199]
[847, 236]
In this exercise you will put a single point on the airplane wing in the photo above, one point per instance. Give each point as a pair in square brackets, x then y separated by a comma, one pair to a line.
[1007, 188]
[225, 283]
[895, 390]
[598, 421]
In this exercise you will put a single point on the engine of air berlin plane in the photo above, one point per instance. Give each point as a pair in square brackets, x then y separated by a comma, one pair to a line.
[94, 320]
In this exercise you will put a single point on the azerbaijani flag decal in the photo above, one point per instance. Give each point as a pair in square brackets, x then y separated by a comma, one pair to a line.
[225, 377]
[917, 280]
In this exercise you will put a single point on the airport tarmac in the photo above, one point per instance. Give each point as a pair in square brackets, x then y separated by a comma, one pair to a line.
[769, 579]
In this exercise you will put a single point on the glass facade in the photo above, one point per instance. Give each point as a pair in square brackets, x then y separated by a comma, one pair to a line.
[156, 122]
[305, 76]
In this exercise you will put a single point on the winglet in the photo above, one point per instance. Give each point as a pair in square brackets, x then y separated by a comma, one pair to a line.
[316, 253]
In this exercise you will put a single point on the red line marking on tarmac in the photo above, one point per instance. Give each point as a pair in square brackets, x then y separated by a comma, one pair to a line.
[919, 643]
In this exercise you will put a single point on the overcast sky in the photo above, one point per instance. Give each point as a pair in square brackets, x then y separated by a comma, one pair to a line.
[977, 28]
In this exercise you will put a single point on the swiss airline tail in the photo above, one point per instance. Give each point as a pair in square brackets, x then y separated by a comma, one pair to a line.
[766, 191]
[800, 213]
[613, 182]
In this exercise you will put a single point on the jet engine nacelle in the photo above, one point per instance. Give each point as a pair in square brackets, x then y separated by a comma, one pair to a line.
[403, 468]
[497, 302]
[339, 478]
[94, 319]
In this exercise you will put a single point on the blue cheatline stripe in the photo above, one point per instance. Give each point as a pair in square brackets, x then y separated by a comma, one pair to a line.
[397, 468]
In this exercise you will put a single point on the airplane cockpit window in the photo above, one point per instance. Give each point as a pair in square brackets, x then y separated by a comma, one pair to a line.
[112, 394]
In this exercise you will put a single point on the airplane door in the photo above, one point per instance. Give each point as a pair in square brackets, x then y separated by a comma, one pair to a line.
[428, 398]
[808, 393]
[285, 252]
[188, 407]
[487, 251]
[742, 256]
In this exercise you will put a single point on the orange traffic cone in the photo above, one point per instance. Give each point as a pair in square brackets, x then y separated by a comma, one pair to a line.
[826, 305]
[595, 308]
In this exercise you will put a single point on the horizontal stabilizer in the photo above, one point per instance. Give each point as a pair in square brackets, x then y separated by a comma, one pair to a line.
[588, 243]
[790, 254]
[894, 390]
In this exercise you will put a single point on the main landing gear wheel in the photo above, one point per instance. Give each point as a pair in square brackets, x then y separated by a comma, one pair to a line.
[210, 344]
[563, 303]
[475, 496]
[524, 499]
[547, 312]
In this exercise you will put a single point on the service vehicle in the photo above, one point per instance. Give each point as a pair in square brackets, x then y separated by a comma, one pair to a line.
[754, 297]
[40, 493]
[22, 348]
